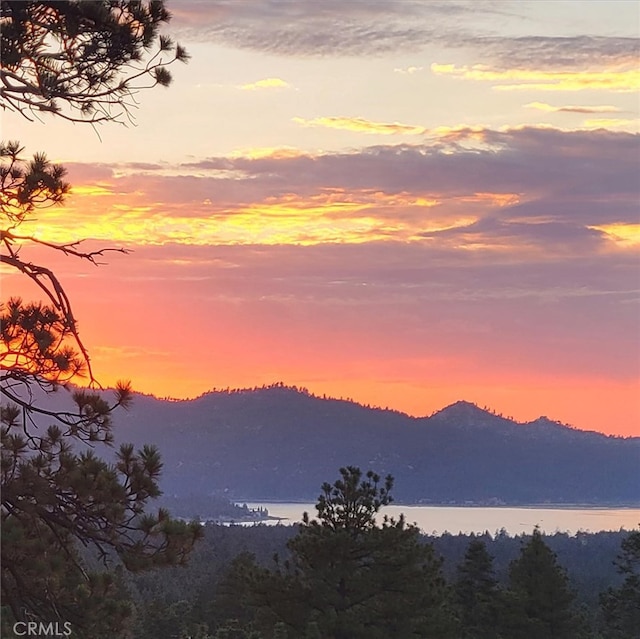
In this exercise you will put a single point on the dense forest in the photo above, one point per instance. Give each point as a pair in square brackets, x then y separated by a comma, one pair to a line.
[347, 575]
[175, 602]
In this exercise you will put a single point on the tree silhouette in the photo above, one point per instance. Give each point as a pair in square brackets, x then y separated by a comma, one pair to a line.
[349, 577]
[621, 606]
[539, 603]
[477, 594]
[82, 61]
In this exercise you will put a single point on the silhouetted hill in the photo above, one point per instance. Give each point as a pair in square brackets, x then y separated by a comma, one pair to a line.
[280, 443]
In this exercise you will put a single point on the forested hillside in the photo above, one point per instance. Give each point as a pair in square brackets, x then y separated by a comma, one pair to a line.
[279, 443]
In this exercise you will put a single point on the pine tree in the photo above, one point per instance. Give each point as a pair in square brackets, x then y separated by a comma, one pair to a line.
[621, 606]
[539, 604]
[477, 594]
[351, 578]
[81, 61]
[313, 631]
[235, 630]
[280, 631]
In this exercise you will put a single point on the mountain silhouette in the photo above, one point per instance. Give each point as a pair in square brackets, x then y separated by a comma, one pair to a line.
[282, 443]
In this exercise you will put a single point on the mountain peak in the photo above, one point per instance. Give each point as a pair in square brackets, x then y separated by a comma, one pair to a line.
[549, 425]
[462, 404]
[544, 420]
[462, 409]
[469, 415]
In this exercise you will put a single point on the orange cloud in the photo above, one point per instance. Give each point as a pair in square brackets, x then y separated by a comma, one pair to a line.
[267, 83]
[623, 80]
[624, 235]
[460, 133]
[543, 106]
[497, 197]
[276, 153]
[93, 190]
[408, 70]
[361, 125]
[612, 123]
[333, 215]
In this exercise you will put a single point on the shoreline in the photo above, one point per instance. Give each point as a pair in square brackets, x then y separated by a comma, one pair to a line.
[523, 506]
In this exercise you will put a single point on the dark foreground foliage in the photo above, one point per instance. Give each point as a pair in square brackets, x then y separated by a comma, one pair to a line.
[346, 575]
[82, 61]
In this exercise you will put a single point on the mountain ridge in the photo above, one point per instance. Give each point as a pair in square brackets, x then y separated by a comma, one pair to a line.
[281, 443]
[470, 406]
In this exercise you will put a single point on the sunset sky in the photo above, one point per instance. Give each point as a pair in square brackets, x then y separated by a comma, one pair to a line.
[403, 202]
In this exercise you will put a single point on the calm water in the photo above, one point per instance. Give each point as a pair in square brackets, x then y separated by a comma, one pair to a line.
[440, 519]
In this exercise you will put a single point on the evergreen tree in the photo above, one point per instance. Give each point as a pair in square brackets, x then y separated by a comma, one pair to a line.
[229, 604]
[175, 620]
[350, 578]
[234, 630]
[476, 593]
[621, 606]
[280, 631]
[539, 602]
[313, 631]
[82, 61]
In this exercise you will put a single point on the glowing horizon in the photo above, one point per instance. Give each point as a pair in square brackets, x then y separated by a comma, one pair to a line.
[441, 206]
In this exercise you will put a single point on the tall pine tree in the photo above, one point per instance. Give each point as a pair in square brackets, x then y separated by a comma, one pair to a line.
[477, 594]
[348, 577]
[621, 606]
[540, 602]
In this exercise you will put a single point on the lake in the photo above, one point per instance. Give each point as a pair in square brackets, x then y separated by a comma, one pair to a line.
[454, 519]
